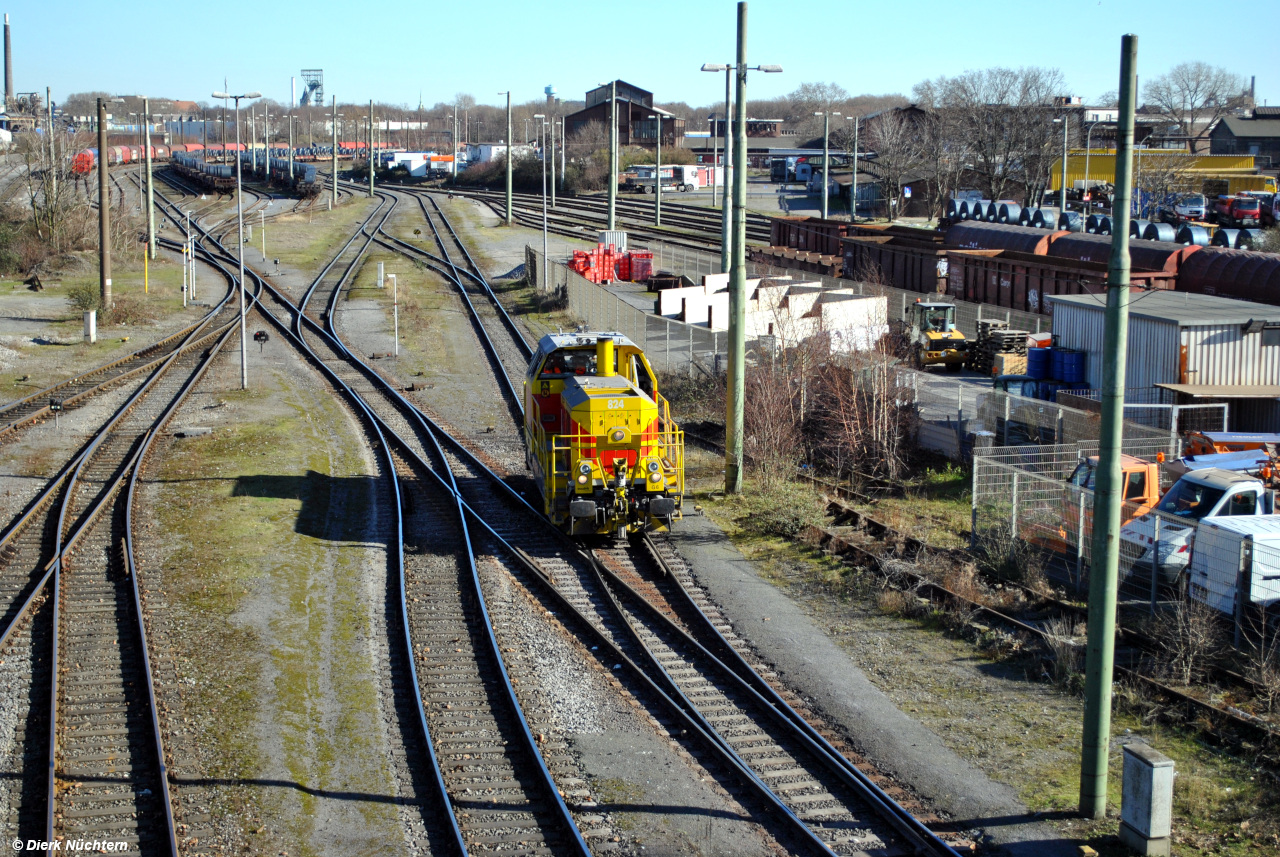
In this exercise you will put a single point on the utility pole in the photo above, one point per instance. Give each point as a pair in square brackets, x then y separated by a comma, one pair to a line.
[726, 204]
[826, 158]
[151, 197]
[104, 210]
[293, 99]
[613, 155]
[715, 159]
[334, 124]
[736, 399]
[453, 138]
[53, 151]
[1066, 122]
[510, 155]
[370, 148]
[657, 176]
[1104, 571]
[553, 162]
[853, 186]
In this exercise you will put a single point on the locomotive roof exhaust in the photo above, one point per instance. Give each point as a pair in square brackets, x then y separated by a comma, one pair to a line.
[604, 356]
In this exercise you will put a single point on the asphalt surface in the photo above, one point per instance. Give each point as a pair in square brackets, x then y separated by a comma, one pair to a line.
[812, 664]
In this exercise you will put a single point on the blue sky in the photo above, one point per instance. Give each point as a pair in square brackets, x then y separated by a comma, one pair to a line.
[393, 51]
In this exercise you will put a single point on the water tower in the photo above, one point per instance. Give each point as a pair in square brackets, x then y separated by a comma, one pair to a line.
[551, 93]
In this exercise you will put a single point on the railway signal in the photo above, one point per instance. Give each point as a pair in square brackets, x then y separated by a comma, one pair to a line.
[55, 405]
[261, 337]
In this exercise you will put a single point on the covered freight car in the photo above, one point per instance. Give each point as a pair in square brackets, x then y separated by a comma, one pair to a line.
[1241, 274]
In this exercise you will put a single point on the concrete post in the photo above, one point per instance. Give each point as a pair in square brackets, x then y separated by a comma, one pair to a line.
[726, 207]
[53, 148]
[826, 159]
[736, 399]
[510, 216]
[1146, 802]
[1100, 656]
[104, 210]
[613, 156]
[293, 100]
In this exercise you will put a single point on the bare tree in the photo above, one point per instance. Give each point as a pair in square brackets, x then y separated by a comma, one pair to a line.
[1194, 96]
[1006, 117]
[892, 136]
[1161, 175]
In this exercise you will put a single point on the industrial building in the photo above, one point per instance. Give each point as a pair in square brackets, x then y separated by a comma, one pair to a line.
[1199, 348]
[635, 106]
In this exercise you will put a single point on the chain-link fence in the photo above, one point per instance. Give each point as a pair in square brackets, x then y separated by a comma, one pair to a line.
[670, 345]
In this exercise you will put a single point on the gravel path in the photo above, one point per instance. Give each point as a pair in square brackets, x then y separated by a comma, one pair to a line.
[809, 661]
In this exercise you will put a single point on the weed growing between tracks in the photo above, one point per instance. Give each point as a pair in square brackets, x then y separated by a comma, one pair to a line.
[307, 241]
[996, 705]
[266, 556]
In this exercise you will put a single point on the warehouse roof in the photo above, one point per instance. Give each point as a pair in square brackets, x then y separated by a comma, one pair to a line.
[1252, 127]
[1182, 308]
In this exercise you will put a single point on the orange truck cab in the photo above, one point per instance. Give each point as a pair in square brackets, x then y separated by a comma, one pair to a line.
[1140, 481]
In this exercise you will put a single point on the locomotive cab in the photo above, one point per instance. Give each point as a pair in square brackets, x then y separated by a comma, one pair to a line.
[599, 438]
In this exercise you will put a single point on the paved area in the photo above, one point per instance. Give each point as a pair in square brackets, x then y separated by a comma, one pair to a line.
[812, 664]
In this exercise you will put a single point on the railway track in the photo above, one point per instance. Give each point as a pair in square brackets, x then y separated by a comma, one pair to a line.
[830, 801]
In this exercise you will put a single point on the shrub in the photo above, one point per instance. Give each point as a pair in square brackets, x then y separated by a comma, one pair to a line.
[782, 511]
[84, 298]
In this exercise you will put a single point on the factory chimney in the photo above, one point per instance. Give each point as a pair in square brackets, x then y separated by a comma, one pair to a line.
[8, 64]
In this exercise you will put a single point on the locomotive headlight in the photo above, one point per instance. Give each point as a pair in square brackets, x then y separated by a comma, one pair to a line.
[618, 435]
[583, 479]
[653, 466]
[655, 477]
[585, 468]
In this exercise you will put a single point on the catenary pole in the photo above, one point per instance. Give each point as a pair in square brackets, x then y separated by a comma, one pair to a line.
[613, 154]
[510, 169]
[726, 207]
[53, 149]
[657, 177]
[371, 148]
[853, 186]
[1062, 203]
[244, 345]
[104, 210]
[334, 125]
[151, 191]
[1104, 572]
[826, 160]
[553, 161]
[293, 100]
[736, 399]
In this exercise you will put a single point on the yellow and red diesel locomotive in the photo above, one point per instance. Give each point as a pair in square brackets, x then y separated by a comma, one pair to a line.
[599, 438]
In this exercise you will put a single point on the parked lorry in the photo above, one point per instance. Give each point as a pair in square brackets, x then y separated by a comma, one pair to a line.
[1139, 486]
[1197, 496]
[1237, 211]
[675, 177]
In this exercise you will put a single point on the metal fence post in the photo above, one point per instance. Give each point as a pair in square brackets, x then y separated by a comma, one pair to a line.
[1155, 564]
[1057, 438]
[1080, 541]
[973, 508]
[1006, 420]
[691, 351]
[1243, 589]
[1013, 510]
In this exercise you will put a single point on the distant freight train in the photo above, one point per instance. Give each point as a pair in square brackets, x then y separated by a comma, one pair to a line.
[188, 159]
[1013, 266]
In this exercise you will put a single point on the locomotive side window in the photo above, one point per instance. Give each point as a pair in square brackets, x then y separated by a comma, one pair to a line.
[643, 379]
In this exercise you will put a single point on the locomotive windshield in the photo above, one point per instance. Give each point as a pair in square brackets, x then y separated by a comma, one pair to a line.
[580, 361]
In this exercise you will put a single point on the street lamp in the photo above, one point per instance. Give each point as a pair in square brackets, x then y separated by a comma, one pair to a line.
[657, 176]
[613, 152]
[334, 117]
[1065, 121]
[736, 398]
[545, 258]
[826, 155]
[853, 185]
[1088, 148]
[509, 217]
[244, 350]
[104, 205]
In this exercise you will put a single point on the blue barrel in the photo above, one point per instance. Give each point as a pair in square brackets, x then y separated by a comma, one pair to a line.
[1039, 362]
[1047, 390]
[1248, 239]
[1138, 227]
[1159, 232]
[1009, 212]
[1225, 237]
[1196, 235]
[1072, 221]
[1070, 366]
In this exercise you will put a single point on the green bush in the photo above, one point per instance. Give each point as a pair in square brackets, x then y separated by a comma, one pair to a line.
[85, 297]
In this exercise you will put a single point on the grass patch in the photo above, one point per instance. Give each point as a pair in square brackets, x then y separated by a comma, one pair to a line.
[307, 241]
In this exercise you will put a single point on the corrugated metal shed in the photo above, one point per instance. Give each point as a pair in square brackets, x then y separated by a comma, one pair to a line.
[1179, 338]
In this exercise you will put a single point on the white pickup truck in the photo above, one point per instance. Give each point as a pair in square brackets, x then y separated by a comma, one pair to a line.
[1234, 554]
[1198, 496]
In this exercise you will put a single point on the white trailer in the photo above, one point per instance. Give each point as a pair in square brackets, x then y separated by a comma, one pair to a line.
[1235, 555]
[675, 177]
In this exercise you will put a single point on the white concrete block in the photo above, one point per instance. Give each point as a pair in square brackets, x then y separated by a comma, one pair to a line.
[1146, 804]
